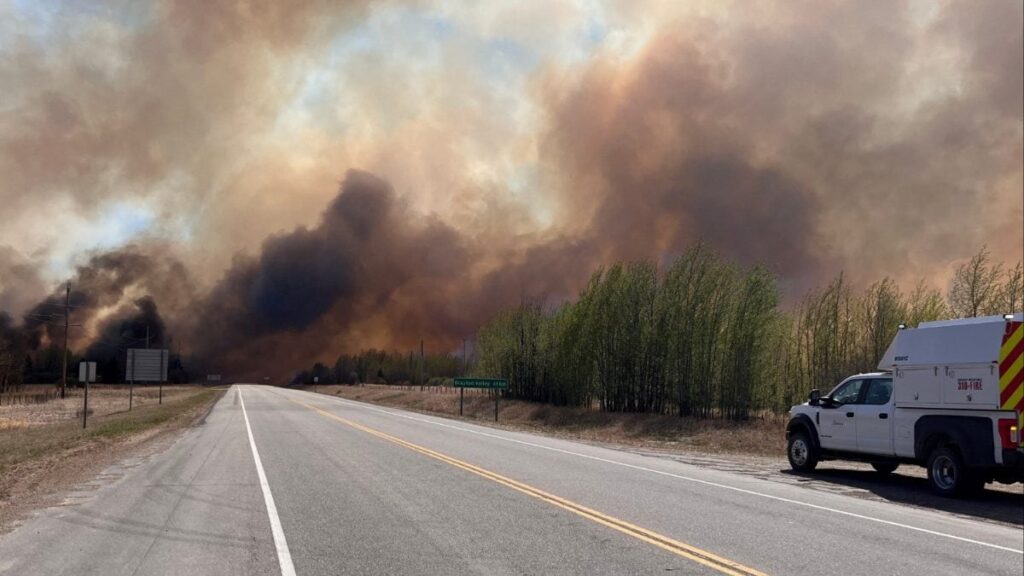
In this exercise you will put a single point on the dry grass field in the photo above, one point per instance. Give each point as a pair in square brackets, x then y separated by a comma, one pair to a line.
[104, 399]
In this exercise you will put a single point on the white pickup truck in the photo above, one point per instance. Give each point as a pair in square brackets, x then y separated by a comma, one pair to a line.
[948, 396]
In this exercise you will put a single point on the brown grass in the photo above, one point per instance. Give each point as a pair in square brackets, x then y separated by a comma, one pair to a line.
[47, 452]
[758, 436]
[104, 399]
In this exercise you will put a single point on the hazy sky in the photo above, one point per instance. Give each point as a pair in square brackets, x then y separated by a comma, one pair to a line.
[546, 138]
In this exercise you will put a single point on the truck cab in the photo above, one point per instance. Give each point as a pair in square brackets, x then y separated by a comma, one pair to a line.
[855, 416]
[948, 396]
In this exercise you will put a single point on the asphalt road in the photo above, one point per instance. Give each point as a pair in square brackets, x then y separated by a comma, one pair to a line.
[286, 482]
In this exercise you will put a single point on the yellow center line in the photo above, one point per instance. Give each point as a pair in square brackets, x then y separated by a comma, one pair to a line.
[687, 551]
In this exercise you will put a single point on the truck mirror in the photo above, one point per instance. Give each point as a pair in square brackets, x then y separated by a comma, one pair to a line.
[815, 397]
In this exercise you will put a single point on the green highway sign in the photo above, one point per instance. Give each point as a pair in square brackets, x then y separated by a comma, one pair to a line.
[481, 383]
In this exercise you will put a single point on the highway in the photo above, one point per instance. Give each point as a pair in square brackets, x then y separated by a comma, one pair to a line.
[278, 481]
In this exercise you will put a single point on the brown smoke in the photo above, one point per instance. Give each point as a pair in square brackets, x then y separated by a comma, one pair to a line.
[781, 144]
[873, 137]
[105, 290]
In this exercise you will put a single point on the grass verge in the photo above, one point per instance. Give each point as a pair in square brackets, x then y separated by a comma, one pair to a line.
[37, 462]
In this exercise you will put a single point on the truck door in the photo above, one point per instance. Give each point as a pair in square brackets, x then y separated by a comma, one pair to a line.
[838, 422]
[874, 418]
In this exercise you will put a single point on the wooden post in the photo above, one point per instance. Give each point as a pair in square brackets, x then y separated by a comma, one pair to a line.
[161, 375]
[85, 403]
[129, 362]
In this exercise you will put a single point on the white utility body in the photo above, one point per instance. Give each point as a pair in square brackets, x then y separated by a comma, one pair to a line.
[948, 395]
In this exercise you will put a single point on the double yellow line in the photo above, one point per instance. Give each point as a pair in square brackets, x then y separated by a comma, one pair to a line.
[687, 551]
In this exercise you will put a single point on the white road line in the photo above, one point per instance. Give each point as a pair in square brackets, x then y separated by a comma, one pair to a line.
[284, 557]
[681, 477]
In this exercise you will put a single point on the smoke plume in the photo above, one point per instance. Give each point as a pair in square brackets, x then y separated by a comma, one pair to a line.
[179, 162]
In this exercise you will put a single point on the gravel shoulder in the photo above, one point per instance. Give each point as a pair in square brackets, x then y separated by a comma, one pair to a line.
[43, 457]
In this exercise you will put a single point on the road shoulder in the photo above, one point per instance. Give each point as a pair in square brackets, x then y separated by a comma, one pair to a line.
[40, 467]
[999, 504]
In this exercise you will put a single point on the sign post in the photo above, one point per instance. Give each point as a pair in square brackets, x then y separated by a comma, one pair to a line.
[86, 374]
[163, 376]
[496, 384]
[146, 365]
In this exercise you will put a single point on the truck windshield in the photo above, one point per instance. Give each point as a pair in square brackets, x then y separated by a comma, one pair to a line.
[849, 392]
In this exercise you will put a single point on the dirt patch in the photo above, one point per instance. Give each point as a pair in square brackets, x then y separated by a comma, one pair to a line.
[39, 461]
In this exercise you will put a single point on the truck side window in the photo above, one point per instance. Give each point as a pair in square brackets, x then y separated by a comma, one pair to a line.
[879, 392]
[848, 393]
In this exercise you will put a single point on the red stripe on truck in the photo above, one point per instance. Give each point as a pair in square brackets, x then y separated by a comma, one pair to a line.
[1011, 388]
[1004, 364]
[1008, 388]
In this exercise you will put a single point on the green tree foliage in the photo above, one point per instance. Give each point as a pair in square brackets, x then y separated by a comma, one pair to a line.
[694, 340]
[707, 338]
[702, 337]
[513, 341]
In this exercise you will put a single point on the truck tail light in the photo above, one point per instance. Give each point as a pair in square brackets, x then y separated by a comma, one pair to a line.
[1009, 434]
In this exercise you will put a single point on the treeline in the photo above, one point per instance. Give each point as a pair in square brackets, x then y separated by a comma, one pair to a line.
[703, 337]
[708, 338]
[692, 340]
[22, 364]
[382, 367]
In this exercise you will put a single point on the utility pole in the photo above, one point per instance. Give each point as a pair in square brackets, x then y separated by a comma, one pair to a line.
[67, 315]
[465, 358]
[421, 366]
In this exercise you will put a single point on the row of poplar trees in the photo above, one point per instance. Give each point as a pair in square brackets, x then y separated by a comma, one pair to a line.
[708, 338]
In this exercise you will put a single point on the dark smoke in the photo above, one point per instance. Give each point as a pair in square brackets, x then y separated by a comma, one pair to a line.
[136, 326]
[102, 285]
[308, 288]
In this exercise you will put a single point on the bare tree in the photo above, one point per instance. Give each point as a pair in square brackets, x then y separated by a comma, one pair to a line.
[882, 310]
[1013, 290]
[926, 304]
[10, 366]
[976, 288]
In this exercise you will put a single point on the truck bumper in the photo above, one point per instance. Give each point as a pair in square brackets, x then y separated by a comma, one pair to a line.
[1013, 463]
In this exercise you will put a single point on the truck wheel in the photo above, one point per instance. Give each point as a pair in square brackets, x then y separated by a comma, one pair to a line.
[947, 474]
[803, 456]
[884, 468]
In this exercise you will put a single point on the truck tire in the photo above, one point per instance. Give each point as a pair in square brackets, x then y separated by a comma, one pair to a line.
[885, 468]
[803, 456]
[948, 476]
